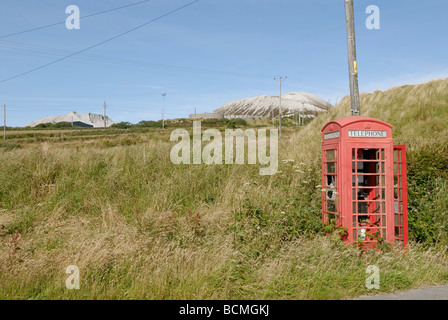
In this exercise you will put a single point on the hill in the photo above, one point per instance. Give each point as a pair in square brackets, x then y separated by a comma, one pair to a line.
[263, 106]
[84, 120]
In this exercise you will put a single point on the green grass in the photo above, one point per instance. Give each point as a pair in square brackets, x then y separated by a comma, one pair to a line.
[139, 227]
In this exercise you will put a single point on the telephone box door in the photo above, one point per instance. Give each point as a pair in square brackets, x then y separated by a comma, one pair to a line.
[400, 196]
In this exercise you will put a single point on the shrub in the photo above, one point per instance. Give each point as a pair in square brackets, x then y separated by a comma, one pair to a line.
[122, 125]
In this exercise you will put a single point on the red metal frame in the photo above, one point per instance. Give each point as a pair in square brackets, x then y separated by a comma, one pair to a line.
[358, 180]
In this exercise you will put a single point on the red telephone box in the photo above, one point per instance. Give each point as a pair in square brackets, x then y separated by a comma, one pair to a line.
[364, 181]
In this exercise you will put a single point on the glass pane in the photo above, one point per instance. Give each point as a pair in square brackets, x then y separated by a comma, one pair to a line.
[382, 154]
[396, 220]
[395, 155]
[330, 155]
[353, 194]
[331, 168]
[331, 194]
[368, 154]
[373, 181]
[377, 220]
[353, 181]
[354, 207]
[331, 181]
[360, 167]
[353, 153]
[363, 193]
[362, 207]
[331, 206]
[382, 167]
[377, 207]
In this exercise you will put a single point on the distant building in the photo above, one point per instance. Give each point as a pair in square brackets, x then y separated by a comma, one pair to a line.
[82, 124]
[206, 115]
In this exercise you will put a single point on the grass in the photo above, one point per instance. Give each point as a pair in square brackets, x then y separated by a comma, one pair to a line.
[140, 227]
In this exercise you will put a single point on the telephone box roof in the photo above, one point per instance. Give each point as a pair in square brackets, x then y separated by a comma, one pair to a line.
[342, 122]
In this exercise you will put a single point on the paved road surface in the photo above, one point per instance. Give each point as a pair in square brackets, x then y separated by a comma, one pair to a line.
[431, 293]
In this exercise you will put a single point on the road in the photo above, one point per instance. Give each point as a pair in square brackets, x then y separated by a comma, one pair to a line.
[431, 293]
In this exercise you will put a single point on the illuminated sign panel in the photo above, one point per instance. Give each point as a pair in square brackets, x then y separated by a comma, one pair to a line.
[367, 133]
[332, 135]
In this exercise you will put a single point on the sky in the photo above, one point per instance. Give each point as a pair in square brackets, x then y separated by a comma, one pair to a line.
[205, 54]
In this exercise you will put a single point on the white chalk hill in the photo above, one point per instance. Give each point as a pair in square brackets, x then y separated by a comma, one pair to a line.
[90, 119]
[263, 106]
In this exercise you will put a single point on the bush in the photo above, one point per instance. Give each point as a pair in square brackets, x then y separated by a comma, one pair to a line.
[122, 125]
[150, 124]
[428, 194]
[236, 122]
[57, 125]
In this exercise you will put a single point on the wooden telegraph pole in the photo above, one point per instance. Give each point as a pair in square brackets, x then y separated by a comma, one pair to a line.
[163, 111]
[105, 106]
[352, 62]
[280, 105]
[4, 122]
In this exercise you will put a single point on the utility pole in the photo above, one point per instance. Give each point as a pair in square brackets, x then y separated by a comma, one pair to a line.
[280, 105]
[352, 62]
[163, 111]
[4, 122]
[105, 114]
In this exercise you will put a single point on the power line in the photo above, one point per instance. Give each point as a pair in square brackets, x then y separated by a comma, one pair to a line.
[100, 43]
[94, 59]
[84, 17]
[98, 59]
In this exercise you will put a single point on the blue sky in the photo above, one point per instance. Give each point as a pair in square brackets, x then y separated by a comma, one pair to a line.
[207, 54]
